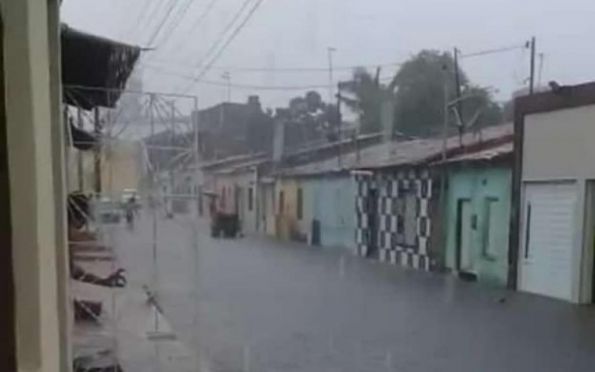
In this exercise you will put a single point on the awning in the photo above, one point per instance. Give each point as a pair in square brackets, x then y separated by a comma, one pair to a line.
[94, 69]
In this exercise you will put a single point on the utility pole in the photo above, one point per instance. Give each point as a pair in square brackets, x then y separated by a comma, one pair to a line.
[153, 197]
[442, 199]
[97, 152]
[171, 172]
[227, 77]
[339, 123]
[330, 52]
[532, 67]
[540, 74]
[459, 106]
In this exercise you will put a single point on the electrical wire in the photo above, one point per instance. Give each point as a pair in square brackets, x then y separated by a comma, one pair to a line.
[172, 5]
[221, 36]
[150, 16]
[227, 43]
[196, 23]
[493, 51]
[127, 30]
[176, 21]
[250, 86]
[156, 63]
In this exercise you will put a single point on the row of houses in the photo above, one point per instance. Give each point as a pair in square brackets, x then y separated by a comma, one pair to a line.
[379, 200]
[510, 205]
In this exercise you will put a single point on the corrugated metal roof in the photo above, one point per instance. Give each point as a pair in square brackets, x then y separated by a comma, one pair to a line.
[493, 153]
[242, 167]
[398, 153]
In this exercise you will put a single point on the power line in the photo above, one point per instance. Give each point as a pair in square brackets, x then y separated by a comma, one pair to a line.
[492, 51]
[285, 69]
[149, 15]
[224, 32]
[129, 28]
[252, 86]
[198, 21]
[176, 21]
[157, 30]
[229, 40]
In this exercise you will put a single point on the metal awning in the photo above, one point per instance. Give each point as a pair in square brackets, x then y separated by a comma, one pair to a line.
[94, 69]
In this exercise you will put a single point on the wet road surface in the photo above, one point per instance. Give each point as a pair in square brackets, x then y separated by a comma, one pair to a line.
[255, 304]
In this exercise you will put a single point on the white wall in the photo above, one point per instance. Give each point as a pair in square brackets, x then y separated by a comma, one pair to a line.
[31, 119]
[560, 144]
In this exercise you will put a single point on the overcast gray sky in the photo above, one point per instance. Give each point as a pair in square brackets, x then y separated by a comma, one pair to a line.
[285, 34]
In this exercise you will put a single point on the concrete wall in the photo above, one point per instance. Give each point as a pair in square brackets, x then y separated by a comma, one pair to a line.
[236, 187]
[33, 150]
[267, 209]
[331, 201]
[479, 185]
[559, 144]
[121, 167]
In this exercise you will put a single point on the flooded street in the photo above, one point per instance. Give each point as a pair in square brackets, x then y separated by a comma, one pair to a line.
[254, 304]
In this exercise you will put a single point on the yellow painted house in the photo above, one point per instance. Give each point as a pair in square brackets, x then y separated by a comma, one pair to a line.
[289, 210]
[122, 167]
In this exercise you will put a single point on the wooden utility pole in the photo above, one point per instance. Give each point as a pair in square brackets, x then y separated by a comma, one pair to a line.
[458, 84]
[339, 123]
[532, 67]
[459, 105]
[97, 151]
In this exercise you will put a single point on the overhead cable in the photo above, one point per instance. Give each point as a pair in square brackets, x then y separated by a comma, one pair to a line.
[227, 43]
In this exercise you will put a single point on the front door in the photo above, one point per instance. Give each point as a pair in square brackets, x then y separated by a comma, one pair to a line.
[465, 257]
[372, 212]
[547, 243]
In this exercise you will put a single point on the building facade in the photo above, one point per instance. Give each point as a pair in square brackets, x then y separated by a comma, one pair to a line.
[34, 321]
[318, 209]
[477, 221]
[552, 244]
[395, 216]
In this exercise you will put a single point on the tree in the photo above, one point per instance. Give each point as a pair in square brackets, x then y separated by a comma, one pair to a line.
[365, 95]
[308, 119]
[419, 99]
[417, 93]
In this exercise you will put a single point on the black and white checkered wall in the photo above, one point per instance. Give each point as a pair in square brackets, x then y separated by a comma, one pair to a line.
[402, 217]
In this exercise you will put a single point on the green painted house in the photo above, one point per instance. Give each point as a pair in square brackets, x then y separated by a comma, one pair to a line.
[478, 214]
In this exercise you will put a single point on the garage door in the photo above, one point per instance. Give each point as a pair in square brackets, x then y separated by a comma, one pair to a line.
[547, 239]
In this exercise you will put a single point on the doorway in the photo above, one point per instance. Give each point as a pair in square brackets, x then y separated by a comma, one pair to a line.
[372, 215]
[464, 230]
[547, 242]
[588, 289]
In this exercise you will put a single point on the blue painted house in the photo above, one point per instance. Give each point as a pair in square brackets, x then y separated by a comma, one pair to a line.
[478, 213]
[317, 208]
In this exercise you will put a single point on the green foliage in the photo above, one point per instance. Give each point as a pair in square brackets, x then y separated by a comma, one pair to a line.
[417, 92]
[308, 119]
[364, 96]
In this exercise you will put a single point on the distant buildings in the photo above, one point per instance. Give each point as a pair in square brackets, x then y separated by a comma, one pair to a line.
[229, 129]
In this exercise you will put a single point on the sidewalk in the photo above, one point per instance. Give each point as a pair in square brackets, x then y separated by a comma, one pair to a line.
[125, 331]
